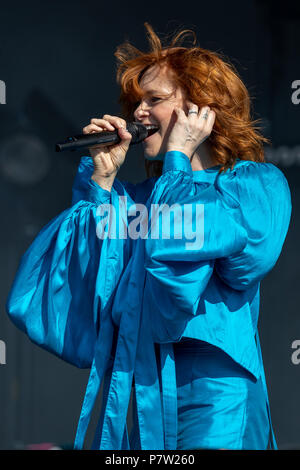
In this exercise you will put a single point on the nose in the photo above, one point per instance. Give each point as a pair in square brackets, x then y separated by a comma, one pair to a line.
[140, 111]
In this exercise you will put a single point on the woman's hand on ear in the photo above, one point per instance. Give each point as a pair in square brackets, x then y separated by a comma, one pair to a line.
[192, 129]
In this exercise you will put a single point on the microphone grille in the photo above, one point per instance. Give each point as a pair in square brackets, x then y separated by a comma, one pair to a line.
[138, 131]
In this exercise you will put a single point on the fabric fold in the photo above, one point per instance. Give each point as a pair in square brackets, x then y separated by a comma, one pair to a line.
[96, 297]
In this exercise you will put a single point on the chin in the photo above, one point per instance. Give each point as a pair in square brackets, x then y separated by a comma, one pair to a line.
[153, 154]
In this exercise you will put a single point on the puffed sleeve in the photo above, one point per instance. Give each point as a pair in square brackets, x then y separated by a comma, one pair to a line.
[264, 212]
[239, 231]
[180, 264]
[64, 279]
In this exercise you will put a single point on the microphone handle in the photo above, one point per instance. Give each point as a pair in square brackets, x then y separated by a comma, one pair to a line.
[77, 142]
[138, 131]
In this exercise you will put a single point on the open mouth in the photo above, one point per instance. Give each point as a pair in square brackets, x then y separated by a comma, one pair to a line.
[152, 129]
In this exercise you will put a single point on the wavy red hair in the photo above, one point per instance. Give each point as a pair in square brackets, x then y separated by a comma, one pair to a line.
[207, 79]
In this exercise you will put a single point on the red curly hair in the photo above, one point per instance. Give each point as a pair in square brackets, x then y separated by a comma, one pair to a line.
[208, 80]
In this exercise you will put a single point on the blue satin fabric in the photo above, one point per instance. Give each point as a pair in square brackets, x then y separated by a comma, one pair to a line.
[107, 303]
[220, 404]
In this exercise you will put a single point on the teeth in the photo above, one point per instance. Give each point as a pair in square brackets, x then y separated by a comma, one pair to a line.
[151, 129]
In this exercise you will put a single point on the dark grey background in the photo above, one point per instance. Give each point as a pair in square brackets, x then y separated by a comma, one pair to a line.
[56, 58]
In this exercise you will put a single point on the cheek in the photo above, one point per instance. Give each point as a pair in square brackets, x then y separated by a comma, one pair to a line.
[166, 119]
[169, 122]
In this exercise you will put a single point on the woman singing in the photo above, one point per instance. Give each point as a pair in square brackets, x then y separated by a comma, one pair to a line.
[171, 317]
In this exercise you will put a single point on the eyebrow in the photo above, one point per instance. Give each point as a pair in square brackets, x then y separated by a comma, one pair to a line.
[152, 91]
[158, 92]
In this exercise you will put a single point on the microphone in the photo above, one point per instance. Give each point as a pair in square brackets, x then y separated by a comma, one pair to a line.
[138, 131]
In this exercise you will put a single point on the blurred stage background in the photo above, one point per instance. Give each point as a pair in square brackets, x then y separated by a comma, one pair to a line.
[56, 59]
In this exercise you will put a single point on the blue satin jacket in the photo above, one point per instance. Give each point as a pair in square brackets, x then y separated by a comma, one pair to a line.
[102, 302]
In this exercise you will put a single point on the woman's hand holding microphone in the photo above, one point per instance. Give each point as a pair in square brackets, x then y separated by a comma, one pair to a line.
[108, 159]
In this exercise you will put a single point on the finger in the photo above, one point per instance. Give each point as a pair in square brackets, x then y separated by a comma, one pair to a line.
[210, 122]
[124, 134]
[92, 128]
[204, 113]
[210, 118]
[117, 121]
[180, 114]
[193, 109]
[103, 123]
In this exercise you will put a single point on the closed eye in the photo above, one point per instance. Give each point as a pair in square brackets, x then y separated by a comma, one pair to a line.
[153, 99]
